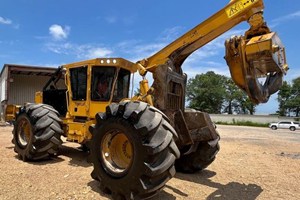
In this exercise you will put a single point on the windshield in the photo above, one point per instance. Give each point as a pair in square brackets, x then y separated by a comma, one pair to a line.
[102, 80]
[122, 85]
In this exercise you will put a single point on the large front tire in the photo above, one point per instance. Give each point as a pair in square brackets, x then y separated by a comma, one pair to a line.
[37, 132]
[133, 150]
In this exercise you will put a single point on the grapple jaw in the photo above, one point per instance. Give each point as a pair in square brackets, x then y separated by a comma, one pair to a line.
[256, 60]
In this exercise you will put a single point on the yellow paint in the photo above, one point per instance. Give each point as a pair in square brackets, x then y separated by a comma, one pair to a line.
[117, 151]
[144, 88]
[78, 132]
[269, 50]
[205, 32]
[11, 112]
[239, 6]
[38, 97]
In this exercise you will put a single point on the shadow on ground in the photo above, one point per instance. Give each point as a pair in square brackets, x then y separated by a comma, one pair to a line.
[95, 187]
[77, 157]
[232, 190]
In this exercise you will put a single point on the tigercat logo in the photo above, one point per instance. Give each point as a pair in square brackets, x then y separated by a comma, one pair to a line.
[238, 7]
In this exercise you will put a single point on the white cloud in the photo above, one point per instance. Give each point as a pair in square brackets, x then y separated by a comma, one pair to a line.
[5, 21]
[65, 48]
[211, 49]
[285, 18]
[86, 51]
[171, 34]
[202, 68]
[295, 14]
[124, 20]
[96, 52]
[58, 32]
[136, 50]
[200, 61]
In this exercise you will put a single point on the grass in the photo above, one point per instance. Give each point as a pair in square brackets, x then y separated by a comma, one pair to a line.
[243, 123]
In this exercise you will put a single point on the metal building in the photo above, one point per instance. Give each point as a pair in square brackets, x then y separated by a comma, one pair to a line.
[18, 83]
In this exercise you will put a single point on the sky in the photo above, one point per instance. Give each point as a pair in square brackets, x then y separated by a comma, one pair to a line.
[52, 33]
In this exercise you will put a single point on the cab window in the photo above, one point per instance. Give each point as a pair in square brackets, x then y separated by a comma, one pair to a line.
[78, 77]
[102, 81]
[122, 86]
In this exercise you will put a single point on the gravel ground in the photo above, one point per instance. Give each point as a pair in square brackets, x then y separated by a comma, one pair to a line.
[254, 163]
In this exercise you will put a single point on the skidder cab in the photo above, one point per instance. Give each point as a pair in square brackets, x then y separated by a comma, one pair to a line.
[91, 86]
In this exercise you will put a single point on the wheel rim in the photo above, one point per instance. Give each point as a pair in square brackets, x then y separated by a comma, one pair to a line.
[24, 132]
[116, 153]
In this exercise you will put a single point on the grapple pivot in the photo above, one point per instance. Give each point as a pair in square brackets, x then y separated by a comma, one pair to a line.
[252, 61]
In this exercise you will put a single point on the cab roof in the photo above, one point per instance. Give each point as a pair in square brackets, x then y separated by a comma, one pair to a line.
[118, 62]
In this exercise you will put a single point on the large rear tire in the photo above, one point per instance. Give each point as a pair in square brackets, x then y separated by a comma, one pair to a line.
[204, 155]
[37, 132]
[133, 150]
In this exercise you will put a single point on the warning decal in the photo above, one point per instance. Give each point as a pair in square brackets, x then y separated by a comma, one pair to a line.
[238, 7]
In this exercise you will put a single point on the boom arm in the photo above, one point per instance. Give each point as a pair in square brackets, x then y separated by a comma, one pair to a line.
[234, 13]
[245, 68]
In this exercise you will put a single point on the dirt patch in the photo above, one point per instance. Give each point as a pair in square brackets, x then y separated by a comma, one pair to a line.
[254, 163]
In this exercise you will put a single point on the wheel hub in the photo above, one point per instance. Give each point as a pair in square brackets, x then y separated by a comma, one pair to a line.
[116, 153]
[24, 132]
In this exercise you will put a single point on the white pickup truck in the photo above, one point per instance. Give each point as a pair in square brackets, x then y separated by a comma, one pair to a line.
[285, 125]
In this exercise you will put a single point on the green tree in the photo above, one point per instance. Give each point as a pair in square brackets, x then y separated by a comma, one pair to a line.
[214, 93]
[206, 92]
[237, 101]
[296, 96]
[246, 105]
[284, 94]
[232, 97]
[289, 98]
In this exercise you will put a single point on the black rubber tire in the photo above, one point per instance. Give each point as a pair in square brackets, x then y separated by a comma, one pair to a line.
[292, 128]
[273, 127]
[154, 150]
[45, 132]
[198, 160]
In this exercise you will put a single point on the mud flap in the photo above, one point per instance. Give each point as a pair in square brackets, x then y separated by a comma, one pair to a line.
[200, 126]
[193, 127]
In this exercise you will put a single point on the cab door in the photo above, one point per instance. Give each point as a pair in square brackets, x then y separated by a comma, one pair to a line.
[77, 88]
[116, 81]
[102, 82]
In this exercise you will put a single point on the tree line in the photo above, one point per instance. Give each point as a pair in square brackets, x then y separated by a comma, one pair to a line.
[214, 93]
[289, 98]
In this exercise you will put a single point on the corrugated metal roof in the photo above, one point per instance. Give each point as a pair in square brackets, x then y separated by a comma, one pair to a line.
[29, 70]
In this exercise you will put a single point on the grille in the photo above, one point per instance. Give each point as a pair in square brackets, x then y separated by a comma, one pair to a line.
[175, 92]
